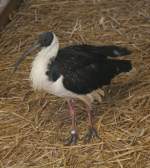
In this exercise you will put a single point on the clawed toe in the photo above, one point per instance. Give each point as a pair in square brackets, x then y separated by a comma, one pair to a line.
[91, 133]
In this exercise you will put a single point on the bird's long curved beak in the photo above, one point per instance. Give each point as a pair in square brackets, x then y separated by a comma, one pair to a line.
[24, 55]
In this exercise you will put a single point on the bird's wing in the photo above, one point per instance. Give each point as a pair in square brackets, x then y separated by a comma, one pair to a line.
[83, 72]
[95, 75]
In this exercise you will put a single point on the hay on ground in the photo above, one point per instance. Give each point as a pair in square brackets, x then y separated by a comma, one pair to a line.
[33, 125]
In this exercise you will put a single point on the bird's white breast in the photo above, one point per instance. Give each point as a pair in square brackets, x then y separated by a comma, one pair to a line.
[38, 72]
[40, 64]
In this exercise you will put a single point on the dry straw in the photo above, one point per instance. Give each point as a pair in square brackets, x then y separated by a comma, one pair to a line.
[33, 125]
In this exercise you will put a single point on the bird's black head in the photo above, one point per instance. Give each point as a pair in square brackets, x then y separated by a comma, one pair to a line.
[45, 39]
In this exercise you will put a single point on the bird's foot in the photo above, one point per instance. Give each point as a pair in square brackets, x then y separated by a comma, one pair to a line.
[91, 133]
[72, 140]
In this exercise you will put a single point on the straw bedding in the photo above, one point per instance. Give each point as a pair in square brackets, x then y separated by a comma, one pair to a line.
[33, 125]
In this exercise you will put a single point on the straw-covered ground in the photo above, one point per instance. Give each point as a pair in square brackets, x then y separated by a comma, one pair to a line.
[33, 125]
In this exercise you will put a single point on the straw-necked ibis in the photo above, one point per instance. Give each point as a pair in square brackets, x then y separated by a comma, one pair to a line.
[75, 72]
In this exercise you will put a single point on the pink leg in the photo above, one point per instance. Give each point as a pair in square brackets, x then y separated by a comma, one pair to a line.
[74, 136]
[72, 114]
[91, 130]
[90, 122]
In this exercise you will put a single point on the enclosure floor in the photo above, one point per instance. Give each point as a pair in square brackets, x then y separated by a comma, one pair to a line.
[33, 125]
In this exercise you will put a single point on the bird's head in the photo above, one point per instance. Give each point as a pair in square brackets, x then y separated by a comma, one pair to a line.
[44, 40]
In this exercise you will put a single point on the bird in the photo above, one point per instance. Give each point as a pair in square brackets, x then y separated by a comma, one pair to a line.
[75, 72]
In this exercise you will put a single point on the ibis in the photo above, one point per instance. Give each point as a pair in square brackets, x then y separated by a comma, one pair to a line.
[75, 72]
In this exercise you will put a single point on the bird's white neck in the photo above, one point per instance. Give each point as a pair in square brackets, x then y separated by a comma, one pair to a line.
[40, 64]
[49, 52]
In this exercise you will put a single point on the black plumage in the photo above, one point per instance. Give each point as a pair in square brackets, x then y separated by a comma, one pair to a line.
[86, 67]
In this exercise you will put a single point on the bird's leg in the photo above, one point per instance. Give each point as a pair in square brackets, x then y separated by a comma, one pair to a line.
[74, 136]
[92, 132]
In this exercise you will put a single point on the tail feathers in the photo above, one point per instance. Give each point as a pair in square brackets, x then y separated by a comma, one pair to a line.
[114, 51]
[123, 66]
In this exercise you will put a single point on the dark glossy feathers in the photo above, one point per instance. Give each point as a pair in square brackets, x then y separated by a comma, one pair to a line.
[86, 68]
